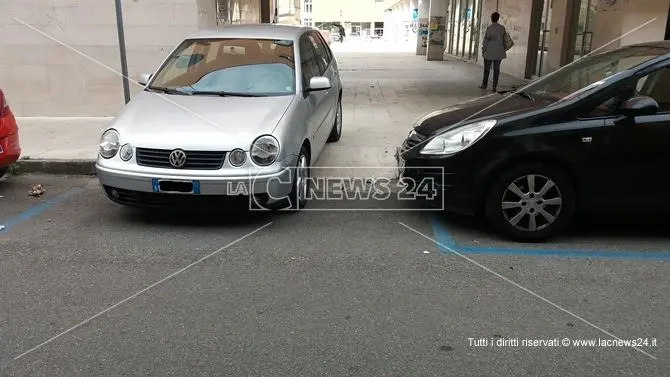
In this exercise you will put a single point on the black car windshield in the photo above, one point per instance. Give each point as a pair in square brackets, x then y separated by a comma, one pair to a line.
[246, 67]
[591, 72]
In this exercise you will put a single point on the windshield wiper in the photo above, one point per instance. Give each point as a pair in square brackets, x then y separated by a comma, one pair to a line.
[523, 94]
[225, 94]
[167, 90]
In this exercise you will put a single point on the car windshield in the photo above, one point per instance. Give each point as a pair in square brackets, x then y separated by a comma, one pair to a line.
[591, 72]
[246, 67]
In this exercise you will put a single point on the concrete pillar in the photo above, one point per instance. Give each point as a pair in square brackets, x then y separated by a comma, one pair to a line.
[558, 48]
[397, 22]
[436, 29]
[206, 13]
[267, 11]
[388, 27]
[422, 27]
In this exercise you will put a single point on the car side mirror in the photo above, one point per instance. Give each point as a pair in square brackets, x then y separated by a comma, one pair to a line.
[144, 78]
[319, 83]
[638, 106]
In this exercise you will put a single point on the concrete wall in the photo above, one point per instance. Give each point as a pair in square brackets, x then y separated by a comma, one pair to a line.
[515, 16]
[609, 23]
[44, 73]
[612, 22]
[288, 11]
[238, 11]
[43, 77]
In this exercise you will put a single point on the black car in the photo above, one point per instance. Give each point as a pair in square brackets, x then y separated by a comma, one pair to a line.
[592, 136]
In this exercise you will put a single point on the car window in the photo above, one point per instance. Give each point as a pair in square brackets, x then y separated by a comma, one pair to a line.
[321, 52]
[246, 66]
[308, 61]
[655, 85]
[171, 71]
[587, 71]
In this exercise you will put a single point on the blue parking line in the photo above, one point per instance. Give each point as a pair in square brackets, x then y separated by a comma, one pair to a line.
[442, 234]
[37, 209]
[448, 244]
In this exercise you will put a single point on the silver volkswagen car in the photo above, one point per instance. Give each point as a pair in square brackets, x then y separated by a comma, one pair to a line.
[238, 111]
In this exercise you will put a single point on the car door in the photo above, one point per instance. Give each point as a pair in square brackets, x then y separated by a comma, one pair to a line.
[602, 152]
[650, 135]
[316, 100]
[326, 69]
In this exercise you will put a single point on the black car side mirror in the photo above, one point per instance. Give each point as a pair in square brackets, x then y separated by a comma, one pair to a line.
[638, 106]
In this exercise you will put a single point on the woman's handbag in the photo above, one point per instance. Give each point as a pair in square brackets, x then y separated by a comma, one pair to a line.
[507, 41]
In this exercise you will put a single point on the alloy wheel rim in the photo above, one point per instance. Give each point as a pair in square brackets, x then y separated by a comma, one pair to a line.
[302, 178]
[531, 202]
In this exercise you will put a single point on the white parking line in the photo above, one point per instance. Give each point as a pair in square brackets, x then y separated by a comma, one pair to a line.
[140, 292]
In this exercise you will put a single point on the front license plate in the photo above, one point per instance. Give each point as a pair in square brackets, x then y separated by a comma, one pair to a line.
[175, 186]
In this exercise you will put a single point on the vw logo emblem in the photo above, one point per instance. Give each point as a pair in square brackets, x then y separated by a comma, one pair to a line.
[177, 158]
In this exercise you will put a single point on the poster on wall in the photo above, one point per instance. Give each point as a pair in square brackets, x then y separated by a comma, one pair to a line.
[422, 31]
[436, 34]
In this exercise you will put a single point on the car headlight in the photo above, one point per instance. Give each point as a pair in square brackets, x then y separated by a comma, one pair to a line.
[109, 143]
[457, 139]
[126, 152]
[264, 150]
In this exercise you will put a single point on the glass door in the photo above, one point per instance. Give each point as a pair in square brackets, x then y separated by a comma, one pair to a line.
[465, 16]
[584, 35]
[545, 32]
[475, 13]
[463, 28]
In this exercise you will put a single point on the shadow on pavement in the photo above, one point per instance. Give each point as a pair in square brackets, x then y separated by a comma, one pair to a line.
[627, 226]
[195, 218]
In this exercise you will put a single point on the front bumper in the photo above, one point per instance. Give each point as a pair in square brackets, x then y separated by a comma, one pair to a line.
[10, 150]
[449, 176]
[140, 188]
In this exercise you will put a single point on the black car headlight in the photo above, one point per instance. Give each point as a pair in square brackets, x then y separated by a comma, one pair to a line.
[456, 140]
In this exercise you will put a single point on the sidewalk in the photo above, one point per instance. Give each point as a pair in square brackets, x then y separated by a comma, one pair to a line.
[384, 94]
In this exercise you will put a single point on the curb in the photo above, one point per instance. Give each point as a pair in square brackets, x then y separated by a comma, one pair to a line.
[87, 167]
[59, 167]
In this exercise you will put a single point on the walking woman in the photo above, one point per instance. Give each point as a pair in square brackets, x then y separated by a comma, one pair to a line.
[493, 50]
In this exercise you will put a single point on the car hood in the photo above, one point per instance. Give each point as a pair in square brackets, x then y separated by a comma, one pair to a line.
[490, 106]
[156, 120]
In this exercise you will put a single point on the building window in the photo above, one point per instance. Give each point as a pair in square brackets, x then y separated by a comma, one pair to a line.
[307, 21]
[307, 6]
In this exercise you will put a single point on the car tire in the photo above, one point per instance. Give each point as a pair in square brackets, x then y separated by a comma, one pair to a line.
[3, 172]
[521, 214]
[336, 131]
[300, 177]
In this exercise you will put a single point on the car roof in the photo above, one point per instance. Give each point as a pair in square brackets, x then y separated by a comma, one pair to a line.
[654, 44]
[261, 31]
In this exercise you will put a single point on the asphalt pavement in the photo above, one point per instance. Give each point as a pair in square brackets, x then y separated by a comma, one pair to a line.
[89, 288]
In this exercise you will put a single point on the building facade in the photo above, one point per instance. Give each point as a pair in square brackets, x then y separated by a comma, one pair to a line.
[547, 33]
[61, 57]
[362, 18]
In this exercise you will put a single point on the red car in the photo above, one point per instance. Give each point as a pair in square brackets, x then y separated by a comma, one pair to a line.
[10, 150]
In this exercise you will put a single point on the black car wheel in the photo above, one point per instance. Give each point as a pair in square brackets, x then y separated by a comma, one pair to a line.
[3, 171]
[301, 181]
[336, 132]
[530, 202]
